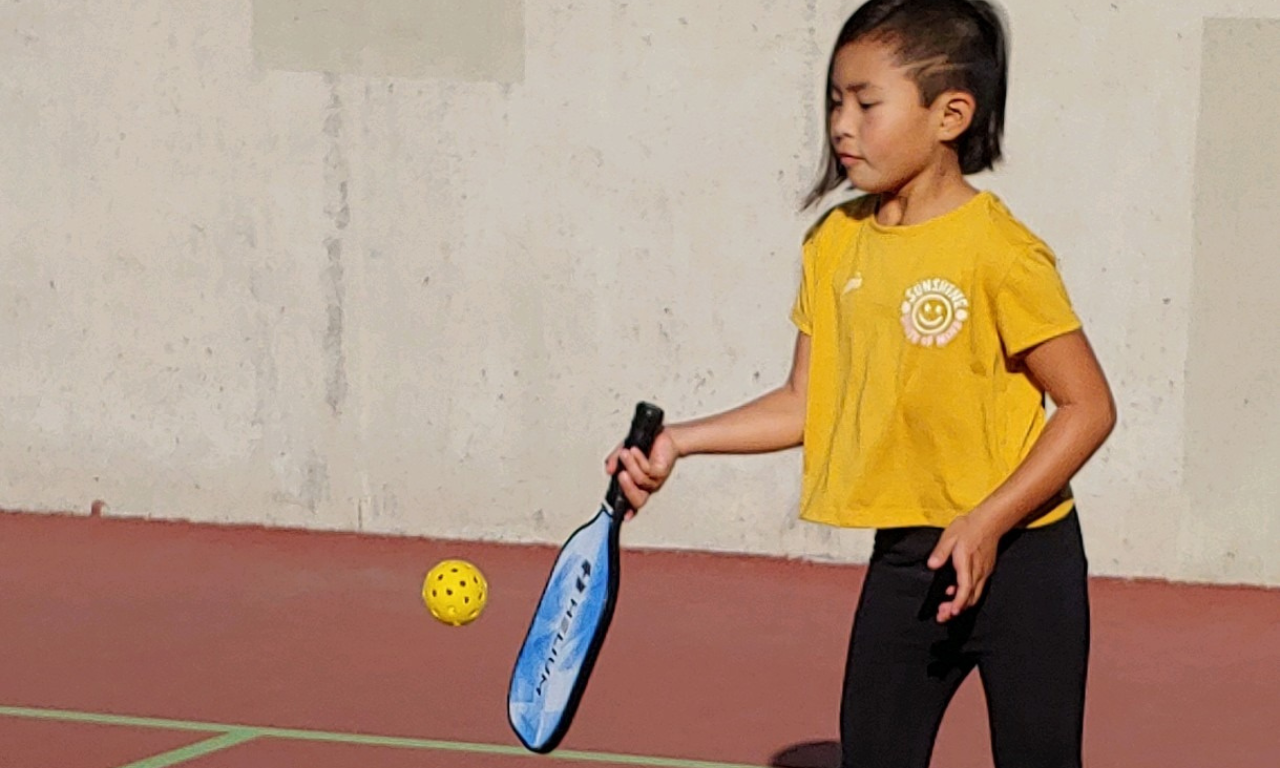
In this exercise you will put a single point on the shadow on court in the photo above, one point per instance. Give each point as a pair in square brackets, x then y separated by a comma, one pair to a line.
[812, 754]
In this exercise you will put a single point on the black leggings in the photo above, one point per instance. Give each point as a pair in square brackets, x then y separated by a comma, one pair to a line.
[1028, 637]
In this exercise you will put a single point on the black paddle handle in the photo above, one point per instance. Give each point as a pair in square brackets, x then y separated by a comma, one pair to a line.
[645, 426]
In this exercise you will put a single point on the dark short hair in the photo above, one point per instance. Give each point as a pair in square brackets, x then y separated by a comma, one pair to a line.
[961, 45]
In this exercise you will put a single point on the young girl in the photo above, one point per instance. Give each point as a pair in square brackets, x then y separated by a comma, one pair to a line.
[931, 325]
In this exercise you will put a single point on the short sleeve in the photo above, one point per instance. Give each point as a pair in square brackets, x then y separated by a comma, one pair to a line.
[1032, 305]
[802, 308]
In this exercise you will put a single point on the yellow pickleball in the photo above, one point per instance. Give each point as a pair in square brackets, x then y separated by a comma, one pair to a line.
[455, 592]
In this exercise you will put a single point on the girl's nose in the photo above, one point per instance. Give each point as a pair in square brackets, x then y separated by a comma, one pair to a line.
[843, 126]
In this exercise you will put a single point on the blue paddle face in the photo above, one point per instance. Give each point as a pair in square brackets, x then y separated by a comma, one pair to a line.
[559, 644]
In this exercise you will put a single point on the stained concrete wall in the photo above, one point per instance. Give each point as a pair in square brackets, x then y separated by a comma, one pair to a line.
[356, 273]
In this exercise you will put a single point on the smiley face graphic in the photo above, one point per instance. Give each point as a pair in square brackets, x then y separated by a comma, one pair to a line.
[934, 312]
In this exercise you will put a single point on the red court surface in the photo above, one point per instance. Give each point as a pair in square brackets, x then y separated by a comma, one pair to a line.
[143, 644]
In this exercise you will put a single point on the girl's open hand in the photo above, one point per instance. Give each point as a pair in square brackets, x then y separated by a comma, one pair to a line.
[641, 475]
[972, 551]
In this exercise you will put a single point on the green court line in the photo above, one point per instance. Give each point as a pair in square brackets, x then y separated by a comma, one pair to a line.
[246, 732]
[199, 749]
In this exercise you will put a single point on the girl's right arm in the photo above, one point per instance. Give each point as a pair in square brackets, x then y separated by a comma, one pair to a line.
[772, 422]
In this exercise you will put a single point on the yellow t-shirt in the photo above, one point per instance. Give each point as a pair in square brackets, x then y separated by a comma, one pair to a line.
[917, 406]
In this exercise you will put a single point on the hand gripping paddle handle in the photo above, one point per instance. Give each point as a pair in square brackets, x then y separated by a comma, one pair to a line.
[645, 426]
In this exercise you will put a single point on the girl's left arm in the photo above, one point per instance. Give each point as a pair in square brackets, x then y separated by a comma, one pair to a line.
[1068, 370]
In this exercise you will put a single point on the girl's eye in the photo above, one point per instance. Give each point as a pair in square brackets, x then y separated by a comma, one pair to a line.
[867, 106]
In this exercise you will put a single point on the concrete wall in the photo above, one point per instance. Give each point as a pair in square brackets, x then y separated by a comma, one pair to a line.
[351, 272]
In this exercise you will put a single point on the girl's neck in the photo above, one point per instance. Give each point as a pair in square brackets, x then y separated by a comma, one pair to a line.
[934, 192]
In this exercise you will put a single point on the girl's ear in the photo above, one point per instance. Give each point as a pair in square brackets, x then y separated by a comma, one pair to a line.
[955, 114]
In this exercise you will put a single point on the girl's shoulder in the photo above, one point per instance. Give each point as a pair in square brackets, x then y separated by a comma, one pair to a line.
[1009, 230]
[986, 233]
[1014, 246]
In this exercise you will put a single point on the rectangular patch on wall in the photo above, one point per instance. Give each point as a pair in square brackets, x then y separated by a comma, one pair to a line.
[1233, 362]
[471, 40]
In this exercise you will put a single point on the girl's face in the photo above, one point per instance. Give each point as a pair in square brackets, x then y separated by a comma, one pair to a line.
[882, 134]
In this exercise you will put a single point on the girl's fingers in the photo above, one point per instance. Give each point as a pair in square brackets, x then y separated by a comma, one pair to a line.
[978, 587]
[642, 461]
[964, 585]
[942, 551]
[611, 461]
[638, 474]
[635, 496]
